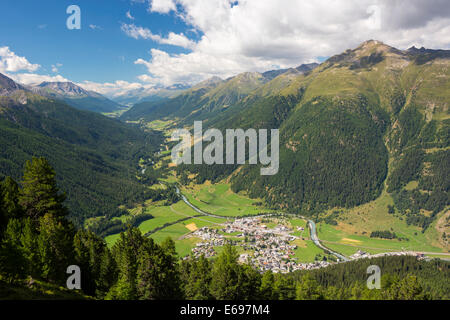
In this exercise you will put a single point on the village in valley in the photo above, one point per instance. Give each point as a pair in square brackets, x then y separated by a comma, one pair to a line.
[266, 243]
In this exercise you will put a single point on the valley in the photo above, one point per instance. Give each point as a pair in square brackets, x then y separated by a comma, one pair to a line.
[363, 168]
[232, 153]
[208, 215]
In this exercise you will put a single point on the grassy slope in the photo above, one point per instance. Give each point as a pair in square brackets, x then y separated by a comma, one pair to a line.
[426, 86]
[356, 224]
[38, 291]
[218, 199]
[90, 153]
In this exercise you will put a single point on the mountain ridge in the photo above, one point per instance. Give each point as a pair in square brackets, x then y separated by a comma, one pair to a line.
[76, 96]
[92, 154]
[368, 120]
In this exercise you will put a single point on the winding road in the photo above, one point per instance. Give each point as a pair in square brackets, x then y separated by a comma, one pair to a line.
[183, 197]
[315, 239]
[311, 224]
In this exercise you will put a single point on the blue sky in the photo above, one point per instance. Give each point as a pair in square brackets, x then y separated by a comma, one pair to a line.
[165, 42]
[37, 30]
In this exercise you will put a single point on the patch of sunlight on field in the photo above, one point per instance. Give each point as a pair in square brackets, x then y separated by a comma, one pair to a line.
[351, 241]
[218, 199]
[191, 227]
[412, 185]
[359, 222]
[306, 251]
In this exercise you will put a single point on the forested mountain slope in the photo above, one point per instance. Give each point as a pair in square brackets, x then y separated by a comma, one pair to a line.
[76, 96]
[96, 157]
[370, 117]
[209, 98]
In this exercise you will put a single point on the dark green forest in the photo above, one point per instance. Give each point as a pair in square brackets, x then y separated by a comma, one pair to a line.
[38, 243]
[96, 158]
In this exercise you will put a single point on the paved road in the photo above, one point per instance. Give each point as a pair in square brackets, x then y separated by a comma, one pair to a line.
[311, 224]
[315, 239]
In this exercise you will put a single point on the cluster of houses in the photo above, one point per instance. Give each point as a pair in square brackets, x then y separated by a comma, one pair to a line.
[361, 254]
[211, 238]
[264, 248]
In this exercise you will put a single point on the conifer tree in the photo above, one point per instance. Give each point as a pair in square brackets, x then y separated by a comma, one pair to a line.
[225, 273]
[157, 273]
[249, 283]
[126, 252]
[267, 286]
[107, 274]
[40, 194]
[284, 288]
[55, 245]
[29, 241]
[10, 192]
[88, 249]
[12, 261]
[196, 278]
[309, 289]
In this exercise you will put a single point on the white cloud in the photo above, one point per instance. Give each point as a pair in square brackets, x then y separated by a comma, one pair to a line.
[129, 16]
[254, 35]
[95, 27]
[162, 6]
[173, 39]
[55, 67]
[190, 68]
[112, 89]
[10, 62]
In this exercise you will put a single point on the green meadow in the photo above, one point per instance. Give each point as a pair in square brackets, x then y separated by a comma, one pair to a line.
[348, 244]
[218, 199]
[306, 250]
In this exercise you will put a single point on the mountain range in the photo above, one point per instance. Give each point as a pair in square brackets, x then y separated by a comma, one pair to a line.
[95, 157]
[151, 94]
[209, 96]
[369, 119]
[76, 96]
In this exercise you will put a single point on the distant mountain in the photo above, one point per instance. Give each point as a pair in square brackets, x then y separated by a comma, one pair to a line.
[303, 69]
[369, 119]
[92, 154]
[76, 96]
[135, 96]
[68, 89]
[8, 86]
[210, 97]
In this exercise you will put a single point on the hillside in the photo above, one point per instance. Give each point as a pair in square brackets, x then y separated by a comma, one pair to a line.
[76, 96]
[209, 98]
[370, 119]
[143, 94]
[360, 111]
[96, 157]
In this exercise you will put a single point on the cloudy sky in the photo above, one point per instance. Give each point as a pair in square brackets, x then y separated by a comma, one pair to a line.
[130, 44]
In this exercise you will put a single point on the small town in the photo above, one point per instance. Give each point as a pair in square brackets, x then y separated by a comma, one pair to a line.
[266, 248]
[263, 247]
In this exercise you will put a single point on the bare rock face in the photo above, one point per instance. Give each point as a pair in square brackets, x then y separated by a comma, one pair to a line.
[8, 86]
[64, 88]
